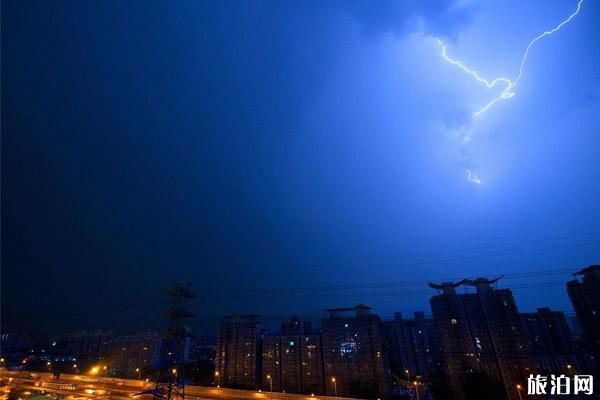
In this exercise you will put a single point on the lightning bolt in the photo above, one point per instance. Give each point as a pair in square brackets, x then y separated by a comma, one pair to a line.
[471, 177]
[509, 84]
[507, 93]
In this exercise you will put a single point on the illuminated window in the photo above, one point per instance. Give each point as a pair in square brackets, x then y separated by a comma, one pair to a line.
[349, 346]
[453, 321]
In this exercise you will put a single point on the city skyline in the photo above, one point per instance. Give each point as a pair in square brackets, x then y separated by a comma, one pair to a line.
[476, 343]
[208, 323]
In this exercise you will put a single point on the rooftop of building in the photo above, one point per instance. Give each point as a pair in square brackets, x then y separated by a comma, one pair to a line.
[588, 270]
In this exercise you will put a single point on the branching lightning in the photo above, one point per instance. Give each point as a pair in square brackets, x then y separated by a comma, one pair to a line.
[507, 93]
[509, 84]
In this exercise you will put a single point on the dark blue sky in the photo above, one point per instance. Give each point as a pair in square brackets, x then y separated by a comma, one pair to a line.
[258, 145]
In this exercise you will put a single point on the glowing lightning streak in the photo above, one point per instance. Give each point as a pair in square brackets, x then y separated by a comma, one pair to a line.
[472, 177]
[508, 92]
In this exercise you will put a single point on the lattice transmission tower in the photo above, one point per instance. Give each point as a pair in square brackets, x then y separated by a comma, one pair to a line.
[170, 380]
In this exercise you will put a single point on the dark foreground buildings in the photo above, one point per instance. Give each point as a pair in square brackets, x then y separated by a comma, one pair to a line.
[476, 346]
[551, 341]
[482, 338]
[585, 296]
[413, 346]
[292, 361]
[353, 353]
[347, 357]
[239, 345]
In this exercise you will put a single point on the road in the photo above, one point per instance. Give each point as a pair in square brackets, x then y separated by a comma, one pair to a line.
[80, 387]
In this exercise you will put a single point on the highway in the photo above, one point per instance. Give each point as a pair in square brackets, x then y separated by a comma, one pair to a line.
[82, 387]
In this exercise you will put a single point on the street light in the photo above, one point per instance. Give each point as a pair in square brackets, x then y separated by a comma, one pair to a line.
[139, 372]
[519, 392]
[218, 376]
[407, 374]
[334, 385]
[94, 370]
[270, 383]
[49, 364]
[105, 368]
[416, 389]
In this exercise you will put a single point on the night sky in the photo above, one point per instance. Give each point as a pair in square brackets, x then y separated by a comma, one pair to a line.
[289, 156]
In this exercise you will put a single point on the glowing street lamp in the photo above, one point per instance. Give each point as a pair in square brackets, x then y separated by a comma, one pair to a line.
[334, 385]
[105, 368]
[519, 392]
[94, 370]
[416, 389]
[270, 382]
[139, 372]
[218, 376]
[407, 374]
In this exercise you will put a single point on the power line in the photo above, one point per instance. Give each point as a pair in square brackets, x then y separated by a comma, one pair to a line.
[370, 294]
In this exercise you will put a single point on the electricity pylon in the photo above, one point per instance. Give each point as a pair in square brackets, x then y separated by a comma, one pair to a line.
[170, 382]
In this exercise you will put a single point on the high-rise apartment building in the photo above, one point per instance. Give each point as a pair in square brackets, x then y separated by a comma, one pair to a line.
[550, 341]
[239, 345]
[412, 346]
[292, 361]
[481, 335]
[132, 353]
[585, 296]
[354, 356]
